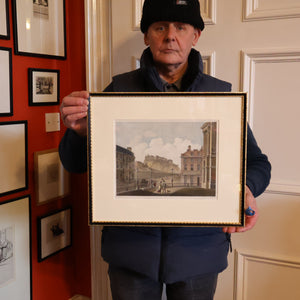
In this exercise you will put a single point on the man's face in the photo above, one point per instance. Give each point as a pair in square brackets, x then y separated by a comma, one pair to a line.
[171, 42]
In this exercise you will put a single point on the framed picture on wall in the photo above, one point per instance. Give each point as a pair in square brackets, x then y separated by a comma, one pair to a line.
[6, 86]
[39, 28]
[4, 20]
[15, 250]
[43, 87]
[165, 159]
[13, 157]
[51, 179]
[54, 233]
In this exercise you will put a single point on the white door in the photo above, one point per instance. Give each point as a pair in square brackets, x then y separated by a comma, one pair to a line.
[254, 44]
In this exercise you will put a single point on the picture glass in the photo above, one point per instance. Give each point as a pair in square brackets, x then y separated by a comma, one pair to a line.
[4, 29]
[5, 82]
[159, 158]
[51, 178]
[44, 87]
[55, 233]
[15, 257]
[13, 160]
[40, 27]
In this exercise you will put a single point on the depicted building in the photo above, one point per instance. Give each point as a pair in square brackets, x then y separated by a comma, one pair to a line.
[125, 165]
[198, 166]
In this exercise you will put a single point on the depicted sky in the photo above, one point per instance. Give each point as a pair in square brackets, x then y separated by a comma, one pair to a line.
[165, 139]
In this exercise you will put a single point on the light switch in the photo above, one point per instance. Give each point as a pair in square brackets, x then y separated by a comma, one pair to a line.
[52, 122]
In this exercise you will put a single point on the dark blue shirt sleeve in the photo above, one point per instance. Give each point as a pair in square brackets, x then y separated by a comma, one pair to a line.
[258, 173]
[73, 152]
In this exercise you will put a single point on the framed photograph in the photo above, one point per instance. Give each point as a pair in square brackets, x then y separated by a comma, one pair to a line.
[54, 233]
[6, 86]
[52, 180]
[4, 20]
[15, 249]
[166, 159]
[43, 87]
[13, 157]
[39, 28]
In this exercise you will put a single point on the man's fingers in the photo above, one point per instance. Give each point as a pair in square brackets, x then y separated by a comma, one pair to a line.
[80, 94]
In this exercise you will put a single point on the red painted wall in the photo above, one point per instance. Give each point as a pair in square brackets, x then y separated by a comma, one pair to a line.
[66, 273]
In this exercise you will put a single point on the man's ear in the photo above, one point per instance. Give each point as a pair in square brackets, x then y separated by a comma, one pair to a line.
[146, 39]
[197, 34]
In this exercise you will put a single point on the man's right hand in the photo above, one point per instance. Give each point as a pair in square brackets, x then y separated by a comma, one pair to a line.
[73, 110]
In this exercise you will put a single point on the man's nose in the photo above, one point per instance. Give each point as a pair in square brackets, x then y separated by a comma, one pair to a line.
[171, 33]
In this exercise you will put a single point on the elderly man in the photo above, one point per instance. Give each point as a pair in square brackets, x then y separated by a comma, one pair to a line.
[141, 259]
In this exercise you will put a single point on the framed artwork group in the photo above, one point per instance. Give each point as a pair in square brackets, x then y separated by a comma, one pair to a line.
[39, 30]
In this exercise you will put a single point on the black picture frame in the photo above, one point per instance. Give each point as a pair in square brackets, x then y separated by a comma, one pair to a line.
[209, 188]
[54, 233]
[39, 31]
[5, 10]
[13, 157]
[16, 263]
[43, 87]
[6, 82]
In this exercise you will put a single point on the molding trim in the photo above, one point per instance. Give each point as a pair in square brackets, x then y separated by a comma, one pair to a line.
[253, 12]
[209, 62]
[208, 12]
[244, 257]
[250, 58]
[98, 44]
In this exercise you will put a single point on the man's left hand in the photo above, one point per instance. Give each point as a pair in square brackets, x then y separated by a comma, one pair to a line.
[250, 221]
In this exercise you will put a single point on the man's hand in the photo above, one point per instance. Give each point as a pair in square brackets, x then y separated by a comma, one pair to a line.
[73, 111]
[250, 221]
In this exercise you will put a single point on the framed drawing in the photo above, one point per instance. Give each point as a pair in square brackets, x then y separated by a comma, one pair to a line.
[6, 87]
[39, 28]
[4, 20]
[165, 159]
[54, 233]
[43, 87]
[51, 179]
[13, 157]
[15, 250]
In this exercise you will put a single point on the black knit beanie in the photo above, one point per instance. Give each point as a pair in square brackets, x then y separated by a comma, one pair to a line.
[185, 11]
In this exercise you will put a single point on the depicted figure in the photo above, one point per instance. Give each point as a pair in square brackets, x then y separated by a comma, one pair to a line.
[187, 259]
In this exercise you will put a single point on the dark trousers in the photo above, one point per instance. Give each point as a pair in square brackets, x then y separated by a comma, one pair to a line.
[128, 285]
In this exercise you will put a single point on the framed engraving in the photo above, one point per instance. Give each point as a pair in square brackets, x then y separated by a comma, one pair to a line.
[13, 157]
[166, 159]
[39, 28]
[43, 87]
[52, 180]
[4, 20]
[15, 249]
[54, 233]
[6, 85]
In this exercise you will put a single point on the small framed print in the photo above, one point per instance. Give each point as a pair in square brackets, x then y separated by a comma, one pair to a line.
[15, 249]
[165, 159]
[4, 20]
[13, 157]
[54, 233]
[52, 180]
[43, 87]
[39, 28]
[6, 86]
